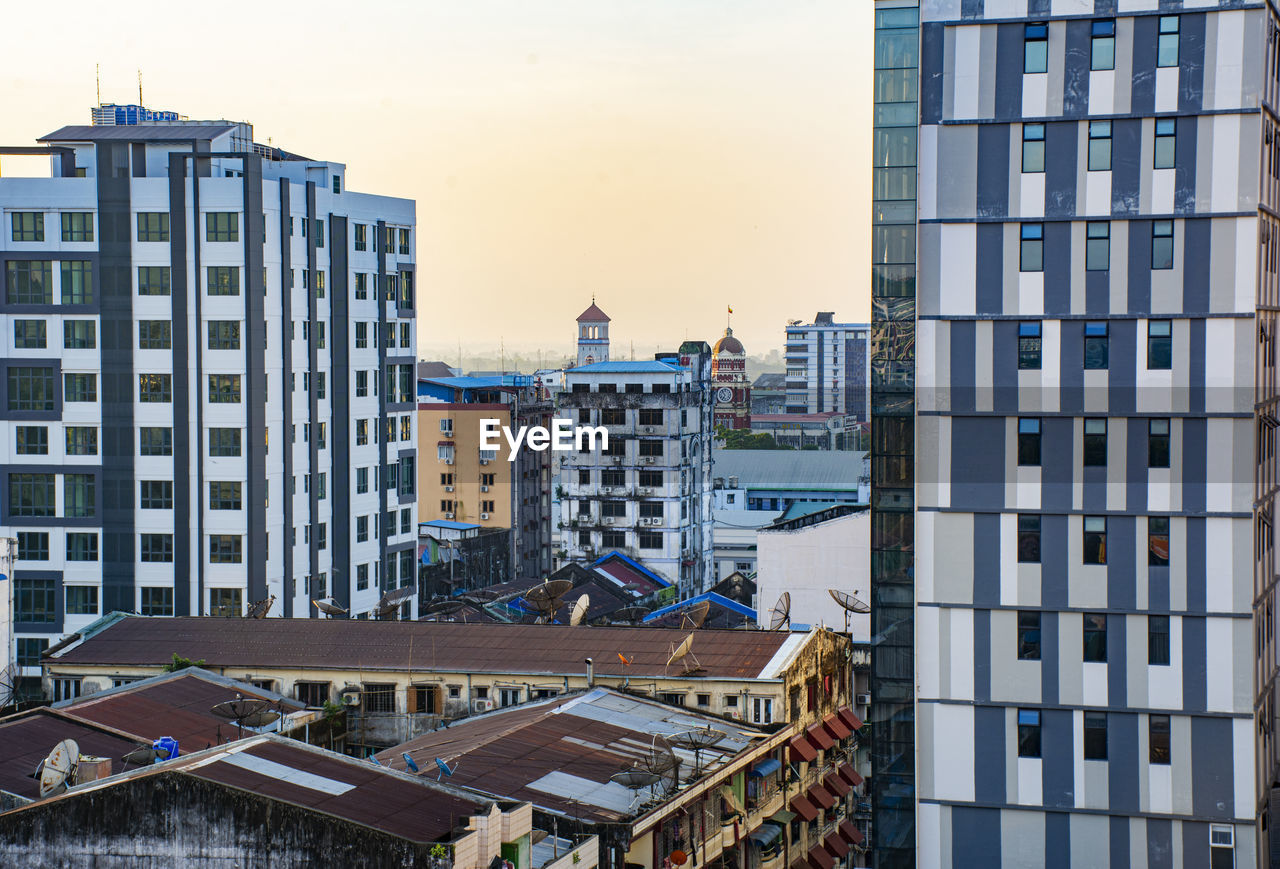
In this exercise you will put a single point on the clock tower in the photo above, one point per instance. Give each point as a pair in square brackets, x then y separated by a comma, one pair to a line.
[729, 380]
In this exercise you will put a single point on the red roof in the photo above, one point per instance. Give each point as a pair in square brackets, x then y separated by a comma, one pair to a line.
[30, 736]
[593, 315]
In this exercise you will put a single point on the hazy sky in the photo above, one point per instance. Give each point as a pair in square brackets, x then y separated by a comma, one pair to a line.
[671, 156]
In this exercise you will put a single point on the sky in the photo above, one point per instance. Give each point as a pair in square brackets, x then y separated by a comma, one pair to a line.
[671, 157]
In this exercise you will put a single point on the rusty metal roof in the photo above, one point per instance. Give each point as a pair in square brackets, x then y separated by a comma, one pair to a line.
[175, 704]
[28, 737]
[559, 754]
[352, 644]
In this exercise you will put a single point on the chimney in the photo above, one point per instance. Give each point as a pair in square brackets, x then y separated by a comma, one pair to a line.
[591, 673]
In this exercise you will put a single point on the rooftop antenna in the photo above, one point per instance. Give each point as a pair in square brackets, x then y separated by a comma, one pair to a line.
[849, 603]
[140, 102]
[97, 80]
[579, 610]
[685, 650]
[58, 767]
[626, 664]
[781, 614]
[444, 768]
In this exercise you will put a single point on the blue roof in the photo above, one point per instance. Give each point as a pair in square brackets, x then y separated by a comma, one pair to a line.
[626, 367]
[450, 524]
[711, 596]
[492, 382]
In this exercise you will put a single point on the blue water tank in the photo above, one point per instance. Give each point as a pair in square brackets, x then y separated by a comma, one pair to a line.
[168, 745]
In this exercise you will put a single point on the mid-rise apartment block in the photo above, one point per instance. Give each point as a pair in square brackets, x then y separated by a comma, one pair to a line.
[209, 394]
[828, 367]
[1074, 393]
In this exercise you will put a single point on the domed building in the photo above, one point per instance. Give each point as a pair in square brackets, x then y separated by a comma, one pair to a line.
[729, 380]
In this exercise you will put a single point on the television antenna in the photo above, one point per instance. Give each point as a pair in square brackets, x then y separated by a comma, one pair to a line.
[698, 740]
[260, 609]
[58, 767]
[328, 607]
[444, 768]
[579, 611]
[246, 712]
[683, 651]
[693, 617]
[781, 613]
[849, 603]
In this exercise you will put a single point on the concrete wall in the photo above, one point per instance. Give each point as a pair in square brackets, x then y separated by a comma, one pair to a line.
[807, 562]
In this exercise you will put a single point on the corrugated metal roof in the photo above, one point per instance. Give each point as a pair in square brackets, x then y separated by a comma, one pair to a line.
[440, 646]
[820, 470]
[137, 133]
[625, 367]
[28, 737]
[559, 754]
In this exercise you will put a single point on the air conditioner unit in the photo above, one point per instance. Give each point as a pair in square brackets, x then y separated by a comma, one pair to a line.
[484, 488]
[648, 429]
[448, 515]
[617, 460]
[448, 461]
[482, 705]
[647, 460]
[863, 699]
[484, 515]
[448, 488]
[645, 493]
[485, 461]
[606, 520]
[350, 699]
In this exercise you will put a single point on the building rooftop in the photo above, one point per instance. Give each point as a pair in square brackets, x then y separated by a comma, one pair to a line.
[559, 754]
[627, 571]
[790, 469]
[28, 738]
[637, 366]
[138, 132]
[434, 369]
[796, 418]
[357, 644]
[722, 612]
[449, 524]
[593, 314]
[771, 380]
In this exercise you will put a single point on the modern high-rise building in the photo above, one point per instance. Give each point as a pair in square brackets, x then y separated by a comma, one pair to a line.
[1074, 297]
[827, 367]
[209, 390]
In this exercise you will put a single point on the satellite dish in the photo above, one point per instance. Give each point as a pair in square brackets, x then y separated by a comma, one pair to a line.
[396, 596]
[781, 614]
[679, 652]
[479, 595]
[636, 780]
[579, 610]
[697, 740]
[444, 769]
[551, 588]
[629, 614]
[328, 607]
[374, 760]
[246, 712]
[848, 601]
[444, 607]
[58, 767]
[143, 755]
[662, 761]
[409, 761]
[693, 617]
[260, 609]
[385, 611]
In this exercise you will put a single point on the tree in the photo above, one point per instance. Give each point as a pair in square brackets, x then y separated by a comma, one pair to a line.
[181, 663]
[745, 439]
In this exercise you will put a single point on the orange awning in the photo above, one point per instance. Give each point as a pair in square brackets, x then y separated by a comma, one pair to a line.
[850, 833]
[836, 726]
[836, 845]
[819, 858]
[802, 807]
[802, 749]
[849, 717]
[836, 785]
[819, 737]
[849, 774]
[818, 795]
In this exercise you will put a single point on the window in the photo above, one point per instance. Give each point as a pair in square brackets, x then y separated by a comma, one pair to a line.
[1222, 846]
[651, 416]
[224, 442]
[1029, 539]
[362, 529]
[404, 241]
[1095, 736]
[1095, 539]
[319, 234]
[1033, 147]
[30, 649]
[28, 226]
[77, 226]
[153, 280]
[31, 388]
[1035, 48]
[225, 602]
[361, 236]
[155, 495]
[613, 539]
[1102, 54]
[79, 335]
[31, 494]
[79, 387]
[1028, 733]
[362, 577]
[156, 547]
[224, 495]
[1029, 347]
[1166, 143]
[362, 384]
[362, 286]
[224, 548]
[337, 183]
[1099, 146]
[30, 334]
[651, 448]
[157, 601]
[1158, 541]
[1031, 254]
[362, 336]
[1097, 246]
[155, 441]
[153, 226]
[1096, 346]
[32, 440]
[1162, 244]
[34, 601]
[322, 536]
[29, 282]
[82, 440]
[33, 545]
[79, 496]
[362, 480]
[155, 388]
[222, 280]
[650, 539]
[650, 479]
[222, 226]
[406, 433]
[1158, 443]
[77, 282]
[1167, 41]
[224, 334]
[83, 546]
[379, 698]
[1095, 637]
[1158, 738]
[224, 388]
[1095, 443]
[1159, 345]
[612, 478]
[155, 334]
[321, 486]
[320, 379]
[1028, 636]
[1158, 640]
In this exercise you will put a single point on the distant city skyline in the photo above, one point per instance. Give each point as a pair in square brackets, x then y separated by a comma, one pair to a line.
[671, 158]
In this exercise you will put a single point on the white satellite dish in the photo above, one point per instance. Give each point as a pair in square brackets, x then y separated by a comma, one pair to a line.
[579, 610]
[58, 767]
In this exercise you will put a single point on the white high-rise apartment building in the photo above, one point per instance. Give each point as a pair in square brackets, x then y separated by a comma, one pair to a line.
[208, 386]
[828, 367]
